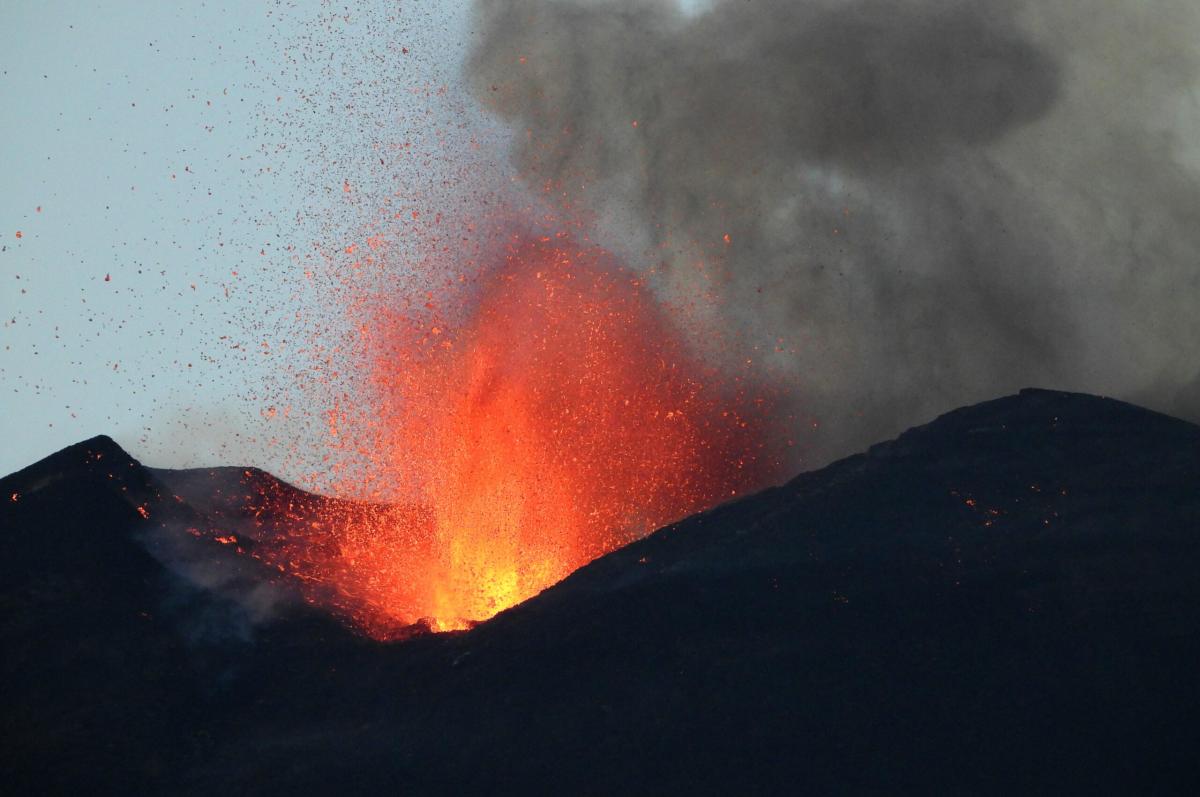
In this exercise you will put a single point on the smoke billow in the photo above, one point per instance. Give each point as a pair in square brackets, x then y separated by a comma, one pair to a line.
[927, 202]
[213, 599]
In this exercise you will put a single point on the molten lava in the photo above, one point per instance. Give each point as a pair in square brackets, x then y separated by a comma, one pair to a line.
[572, 420]
[560, 417]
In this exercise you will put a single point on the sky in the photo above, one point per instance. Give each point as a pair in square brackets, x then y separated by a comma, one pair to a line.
[931, 204]
[163, 164]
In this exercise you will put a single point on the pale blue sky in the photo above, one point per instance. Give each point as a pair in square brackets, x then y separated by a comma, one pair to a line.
[169, 146]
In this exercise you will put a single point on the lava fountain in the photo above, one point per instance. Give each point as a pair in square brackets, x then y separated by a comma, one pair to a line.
[561, 417]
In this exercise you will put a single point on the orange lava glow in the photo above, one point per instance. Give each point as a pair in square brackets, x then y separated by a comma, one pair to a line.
[560, 416]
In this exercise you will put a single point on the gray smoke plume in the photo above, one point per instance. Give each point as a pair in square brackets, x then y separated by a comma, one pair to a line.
[931, 202]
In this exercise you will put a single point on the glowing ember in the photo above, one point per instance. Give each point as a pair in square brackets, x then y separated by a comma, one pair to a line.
[562, 418]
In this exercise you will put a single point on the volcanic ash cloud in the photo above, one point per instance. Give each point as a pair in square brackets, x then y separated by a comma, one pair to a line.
[901, 206]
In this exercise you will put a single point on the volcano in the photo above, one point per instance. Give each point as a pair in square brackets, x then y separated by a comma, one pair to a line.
[1002, 600]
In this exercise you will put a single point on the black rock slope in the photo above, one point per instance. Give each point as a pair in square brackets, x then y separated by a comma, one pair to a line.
[1002, 601]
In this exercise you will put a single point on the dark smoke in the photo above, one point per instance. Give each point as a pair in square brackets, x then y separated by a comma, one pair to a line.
[930, 202]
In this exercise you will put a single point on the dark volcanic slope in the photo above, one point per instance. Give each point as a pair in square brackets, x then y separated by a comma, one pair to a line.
[115, 669]
[1005, 599]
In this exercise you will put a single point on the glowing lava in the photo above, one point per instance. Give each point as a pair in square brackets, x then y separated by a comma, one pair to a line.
[562, 416]
[572, 420]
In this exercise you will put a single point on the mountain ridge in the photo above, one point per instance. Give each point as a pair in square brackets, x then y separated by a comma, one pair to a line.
[1002, 599]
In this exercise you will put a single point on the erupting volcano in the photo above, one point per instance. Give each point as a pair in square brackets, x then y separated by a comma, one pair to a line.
[561, 416]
